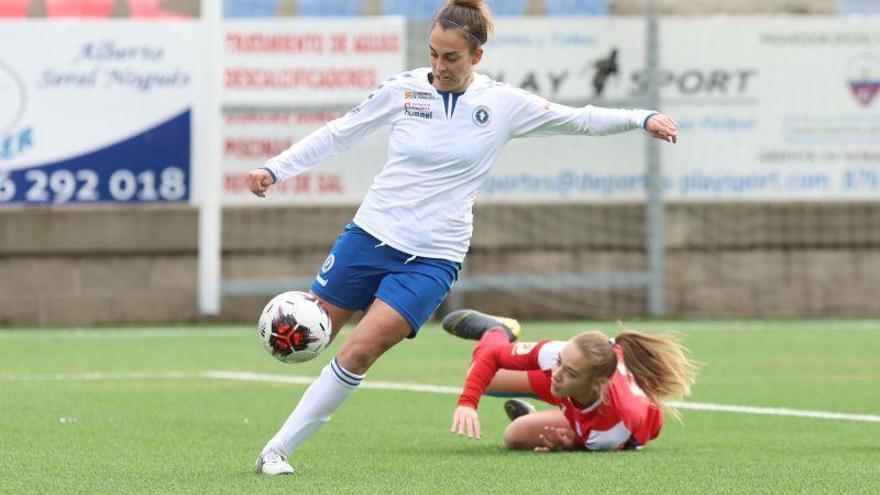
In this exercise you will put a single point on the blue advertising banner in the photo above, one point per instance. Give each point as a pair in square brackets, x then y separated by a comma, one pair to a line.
[97, 112]
[153, 166]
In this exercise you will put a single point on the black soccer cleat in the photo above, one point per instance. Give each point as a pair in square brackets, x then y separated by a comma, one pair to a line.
[516, 408]
[471, 324]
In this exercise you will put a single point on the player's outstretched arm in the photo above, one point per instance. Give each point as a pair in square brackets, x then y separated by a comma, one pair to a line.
[259, 181]
[531, 115]
[466, 419]
[661, 126]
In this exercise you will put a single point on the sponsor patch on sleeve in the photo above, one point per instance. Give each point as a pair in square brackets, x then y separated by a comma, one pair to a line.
[523, 348]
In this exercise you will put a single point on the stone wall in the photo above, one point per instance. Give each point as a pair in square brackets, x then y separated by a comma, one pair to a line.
[85, 266]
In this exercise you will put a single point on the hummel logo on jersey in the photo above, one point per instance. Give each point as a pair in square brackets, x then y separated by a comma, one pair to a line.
[328, 264]
[421, 110]
[482, 116]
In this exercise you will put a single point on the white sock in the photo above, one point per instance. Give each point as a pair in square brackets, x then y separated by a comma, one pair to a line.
[323, 397]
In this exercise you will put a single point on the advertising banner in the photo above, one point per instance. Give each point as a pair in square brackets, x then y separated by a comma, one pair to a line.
[283, 79]
[770, 108]
[573, 61]
[252, 136]
[773, 109]
[97, 112]
[331, 61]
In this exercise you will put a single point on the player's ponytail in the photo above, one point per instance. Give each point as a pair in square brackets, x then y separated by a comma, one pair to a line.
[471, 17]
[659, 365]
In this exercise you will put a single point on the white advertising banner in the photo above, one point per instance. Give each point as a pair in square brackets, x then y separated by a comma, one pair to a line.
[285, 78]
[571, 61]
[568, 60]
[251, 137]
[309, 62]
[97, 112]
[770, 108]
[777, 109]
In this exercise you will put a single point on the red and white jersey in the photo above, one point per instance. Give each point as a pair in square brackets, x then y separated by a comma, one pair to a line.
[623, 413]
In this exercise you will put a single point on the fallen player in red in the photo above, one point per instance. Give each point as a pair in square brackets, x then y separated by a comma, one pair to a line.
[609, 392]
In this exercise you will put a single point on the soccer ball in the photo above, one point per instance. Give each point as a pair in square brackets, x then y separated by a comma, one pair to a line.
[294, 327]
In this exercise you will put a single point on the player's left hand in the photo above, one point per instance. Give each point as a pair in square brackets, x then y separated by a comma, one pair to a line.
[259, 181]
[661, 126]
[555, 439]
[466, 419]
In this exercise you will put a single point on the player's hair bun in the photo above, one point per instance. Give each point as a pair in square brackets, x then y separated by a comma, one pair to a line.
[472, 16]
[471, 4]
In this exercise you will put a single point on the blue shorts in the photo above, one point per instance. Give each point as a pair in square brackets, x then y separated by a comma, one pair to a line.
[361, 268]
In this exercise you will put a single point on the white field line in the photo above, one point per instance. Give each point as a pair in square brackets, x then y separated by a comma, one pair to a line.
[122, 333]
[244, 331]
[304, 380]
[408, 387]
[100, 376]
[776, 411]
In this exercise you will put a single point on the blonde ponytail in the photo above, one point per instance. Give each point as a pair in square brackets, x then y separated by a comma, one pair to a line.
[659, 364]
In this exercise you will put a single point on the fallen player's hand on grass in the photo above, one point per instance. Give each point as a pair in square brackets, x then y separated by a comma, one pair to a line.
[555, 439]
[465, 418]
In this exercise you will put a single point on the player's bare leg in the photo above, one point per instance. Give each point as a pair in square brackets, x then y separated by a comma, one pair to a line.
[510, 382]
[379, 330]
[542, 430]
[338, 316]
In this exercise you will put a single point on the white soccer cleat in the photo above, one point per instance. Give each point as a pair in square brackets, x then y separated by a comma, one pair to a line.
[272, 463]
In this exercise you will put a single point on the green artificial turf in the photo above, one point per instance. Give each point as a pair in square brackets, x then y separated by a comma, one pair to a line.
[63, 431]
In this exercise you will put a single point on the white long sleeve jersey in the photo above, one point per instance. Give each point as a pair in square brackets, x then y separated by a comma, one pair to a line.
[441, 148]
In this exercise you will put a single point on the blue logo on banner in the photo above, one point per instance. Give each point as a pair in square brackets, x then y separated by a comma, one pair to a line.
[16, 142]
[150, 167]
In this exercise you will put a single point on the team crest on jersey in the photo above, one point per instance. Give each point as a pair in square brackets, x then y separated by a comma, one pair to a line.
[482, 116]
[523, 348]
[328, 263]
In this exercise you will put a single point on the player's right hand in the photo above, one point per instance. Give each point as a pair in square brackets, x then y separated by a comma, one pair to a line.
[554, 439]
[465, 418]
[259, 181]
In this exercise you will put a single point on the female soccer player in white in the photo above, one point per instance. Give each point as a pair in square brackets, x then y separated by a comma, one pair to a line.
[400, 255]
[609, 392]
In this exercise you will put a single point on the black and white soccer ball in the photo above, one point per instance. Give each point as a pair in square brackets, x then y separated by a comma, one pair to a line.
[294, 327]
